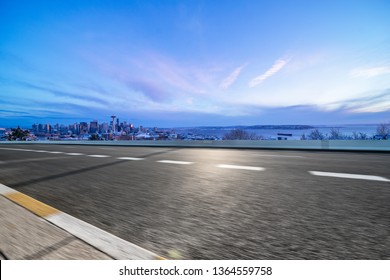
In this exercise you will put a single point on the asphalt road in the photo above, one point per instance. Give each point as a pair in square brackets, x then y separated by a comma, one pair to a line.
[216, 203]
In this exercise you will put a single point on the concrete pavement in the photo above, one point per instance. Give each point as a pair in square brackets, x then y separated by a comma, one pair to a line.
[23, 235]
[32, 230]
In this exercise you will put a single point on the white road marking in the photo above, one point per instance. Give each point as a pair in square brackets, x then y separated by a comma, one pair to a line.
[253, 168]
[106, 242]
[13, 149]
[130, 158]
[40, 151]
[74, 154]
[13, 161]
[99, 156]
[349, 176]
[175, 162]
[56, 152]
[5, 190]
[268, 155]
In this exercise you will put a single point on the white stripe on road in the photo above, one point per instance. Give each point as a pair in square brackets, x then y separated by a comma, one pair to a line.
[270, 155]
[106, 242]
[253, 168]
[56, 152]
[130, 158]
[98, 156]
[74, 154]
[13, 149]
[175, 162]
[349, 176]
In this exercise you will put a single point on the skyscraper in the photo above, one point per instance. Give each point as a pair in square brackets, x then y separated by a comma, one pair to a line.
[93, 126]
[113, 123]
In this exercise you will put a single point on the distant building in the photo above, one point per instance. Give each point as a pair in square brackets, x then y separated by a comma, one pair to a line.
[284, 136]
[93, 126]
[103, 128]
[2, 132]
[381, 137]
[83, 128]
[113, 123]
[47, 128]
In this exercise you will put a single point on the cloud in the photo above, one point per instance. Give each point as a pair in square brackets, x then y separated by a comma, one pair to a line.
[370, 102]
[164, 70]
[227, 82]
[278, 65]
[63, 93]
[369, 72]
[150, 90]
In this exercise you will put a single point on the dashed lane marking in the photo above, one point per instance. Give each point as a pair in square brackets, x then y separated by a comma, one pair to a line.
[175, 162]
[74, 154]
[130, 158]
[242, 167]
[56, 152]
[282, 156]
[99, 156]
[349, 176]
[14, 149]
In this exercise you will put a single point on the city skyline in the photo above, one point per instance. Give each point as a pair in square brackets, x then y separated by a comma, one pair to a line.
[195, 63]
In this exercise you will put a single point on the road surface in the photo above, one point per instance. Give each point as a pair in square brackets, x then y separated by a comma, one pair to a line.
[195, 203]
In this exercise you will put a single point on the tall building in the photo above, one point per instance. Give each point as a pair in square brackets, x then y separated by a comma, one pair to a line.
[93, 126]
[113, 123]
[118, 127]
[47, 128]
[83, 128]
[103, 128]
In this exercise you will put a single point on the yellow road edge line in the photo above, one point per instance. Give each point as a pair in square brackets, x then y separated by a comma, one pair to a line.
[45, 211]
[35, 206]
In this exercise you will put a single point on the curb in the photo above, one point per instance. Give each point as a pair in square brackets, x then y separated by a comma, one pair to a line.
[106, 242]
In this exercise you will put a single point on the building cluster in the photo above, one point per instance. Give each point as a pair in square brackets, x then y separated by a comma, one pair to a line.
[116, 130]
[93, 130]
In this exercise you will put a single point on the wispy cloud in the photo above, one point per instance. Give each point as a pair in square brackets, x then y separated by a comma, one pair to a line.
[369, 102]
[150, 90]
[370, 72]
[228, 81]
[63, 93]
[278, 65]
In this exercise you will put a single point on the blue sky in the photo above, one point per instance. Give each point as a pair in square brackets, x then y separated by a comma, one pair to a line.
[192, 63]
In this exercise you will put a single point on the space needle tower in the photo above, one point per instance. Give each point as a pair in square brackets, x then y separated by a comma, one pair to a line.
[113, 123]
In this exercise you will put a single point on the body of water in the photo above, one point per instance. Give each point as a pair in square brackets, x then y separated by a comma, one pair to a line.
[347, 130]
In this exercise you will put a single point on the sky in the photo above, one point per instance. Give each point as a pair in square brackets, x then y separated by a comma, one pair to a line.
[195, 63]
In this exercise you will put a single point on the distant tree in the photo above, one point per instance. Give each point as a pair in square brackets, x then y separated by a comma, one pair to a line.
[303, 137]
[335, 134]
[359, 135]
[383, 129]
[240, 134]
[94, 137]
[316, 135]
[18, 134]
